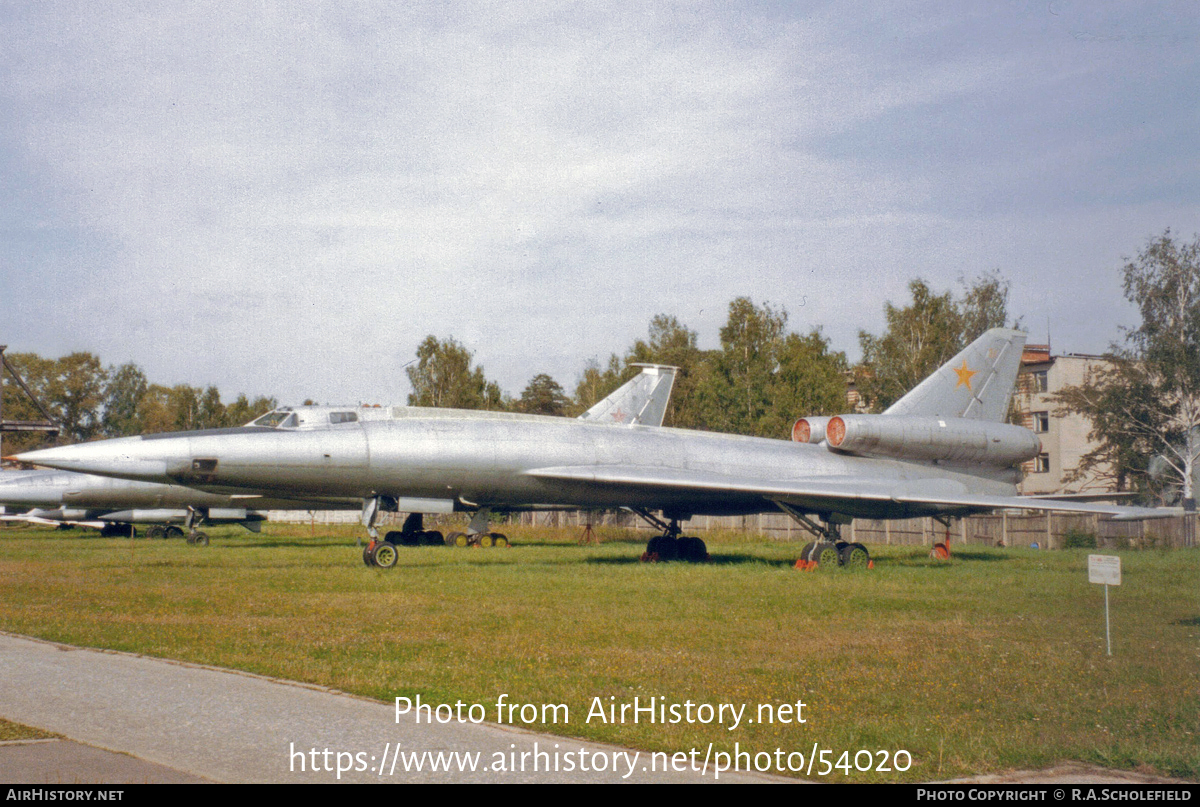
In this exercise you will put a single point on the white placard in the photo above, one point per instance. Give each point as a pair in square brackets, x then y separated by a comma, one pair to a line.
[1104, 570]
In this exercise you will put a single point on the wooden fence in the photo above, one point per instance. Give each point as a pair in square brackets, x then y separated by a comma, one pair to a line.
[1047, 531]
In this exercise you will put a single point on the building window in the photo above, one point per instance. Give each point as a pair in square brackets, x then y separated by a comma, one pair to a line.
[1041, 465]
[1039, 381]
[1041, 422]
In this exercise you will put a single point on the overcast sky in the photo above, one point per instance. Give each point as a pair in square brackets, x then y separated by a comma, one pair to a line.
[285, 199]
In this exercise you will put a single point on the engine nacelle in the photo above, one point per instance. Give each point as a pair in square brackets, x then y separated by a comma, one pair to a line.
[809, 430]
[932, 439]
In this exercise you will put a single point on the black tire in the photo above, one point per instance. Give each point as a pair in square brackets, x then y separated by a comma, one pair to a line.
[367, 556]
[825, 555]
[806, 552]
[665, 547]
[692, 549]
[385, 555]
[499, 539]
[200, 539]
[156, 532]
[854, 556]
[485, 539]
[457, 539]
[173, 532]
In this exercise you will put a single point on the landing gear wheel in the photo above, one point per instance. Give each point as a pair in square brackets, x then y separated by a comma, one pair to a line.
[651, 553]
[156, 532]
[457, 539]
[854, 556]
[385, 555]
[692, 550]
[825, 554]
[484, 539]
[173, 532]
[199, 539]
[367, 555]
[499, 539]
[663, 547]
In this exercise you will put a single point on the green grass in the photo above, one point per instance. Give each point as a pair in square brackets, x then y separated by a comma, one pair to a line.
[994, 660]
[10, 732]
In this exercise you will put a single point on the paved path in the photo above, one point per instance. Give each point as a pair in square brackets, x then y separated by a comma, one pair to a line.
[227, 726]
[65, 762]
[132, 719]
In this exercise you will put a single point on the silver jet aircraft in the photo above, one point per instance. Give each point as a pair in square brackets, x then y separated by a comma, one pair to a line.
[113, 505]
[942, 450]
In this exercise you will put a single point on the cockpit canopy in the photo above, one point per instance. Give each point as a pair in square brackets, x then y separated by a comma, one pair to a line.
[277, 419]
[318, 417]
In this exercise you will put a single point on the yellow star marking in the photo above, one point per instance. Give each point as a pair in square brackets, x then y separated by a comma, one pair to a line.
[964, 376]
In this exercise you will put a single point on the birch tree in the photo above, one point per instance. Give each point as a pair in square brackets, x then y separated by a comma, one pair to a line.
[1145, 407]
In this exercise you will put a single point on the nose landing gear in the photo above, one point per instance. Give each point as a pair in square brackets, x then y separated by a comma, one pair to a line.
[671, 545]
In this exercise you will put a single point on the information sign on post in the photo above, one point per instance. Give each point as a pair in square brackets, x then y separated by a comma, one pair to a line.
[1105, 570]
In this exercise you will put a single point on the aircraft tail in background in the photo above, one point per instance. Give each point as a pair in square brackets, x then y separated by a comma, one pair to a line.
[977, 384]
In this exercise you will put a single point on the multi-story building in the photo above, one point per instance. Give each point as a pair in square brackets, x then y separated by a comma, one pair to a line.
[1064, 436]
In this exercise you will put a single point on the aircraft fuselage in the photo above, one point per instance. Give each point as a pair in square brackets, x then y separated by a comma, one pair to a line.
[506, 461]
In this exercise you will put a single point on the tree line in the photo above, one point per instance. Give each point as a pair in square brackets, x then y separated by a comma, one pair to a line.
[1144, 406]
[761, 378]
[88, 401]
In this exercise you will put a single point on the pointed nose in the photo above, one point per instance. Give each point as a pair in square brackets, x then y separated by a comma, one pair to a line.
[126, 457]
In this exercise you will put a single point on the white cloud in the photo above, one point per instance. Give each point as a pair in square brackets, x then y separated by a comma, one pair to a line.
[289, 198]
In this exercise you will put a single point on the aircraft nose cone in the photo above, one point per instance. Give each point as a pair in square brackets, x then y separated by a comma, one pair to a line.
[65, 457]
[127, 457]
[14, 494]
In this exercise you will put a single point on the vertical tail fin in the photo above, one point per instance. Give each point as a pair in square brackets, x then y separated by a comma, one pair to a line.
[641, 401]
[977, 384]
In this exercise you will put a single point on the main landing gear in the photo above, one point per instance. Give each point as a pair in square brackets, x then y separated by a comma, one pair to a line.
[164, 531]
[382, 552]
[671, 545]
[477, 533]
[413, 533]
[829, 550]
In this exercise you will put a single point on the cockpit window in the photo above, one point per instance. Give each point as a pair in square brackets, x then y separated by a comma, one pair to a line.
[343, 417]
[277, 420]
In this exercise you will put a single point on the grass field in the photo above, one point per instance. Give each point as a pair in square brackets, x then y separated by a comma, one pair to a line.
[994, 660]
[11, 732]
